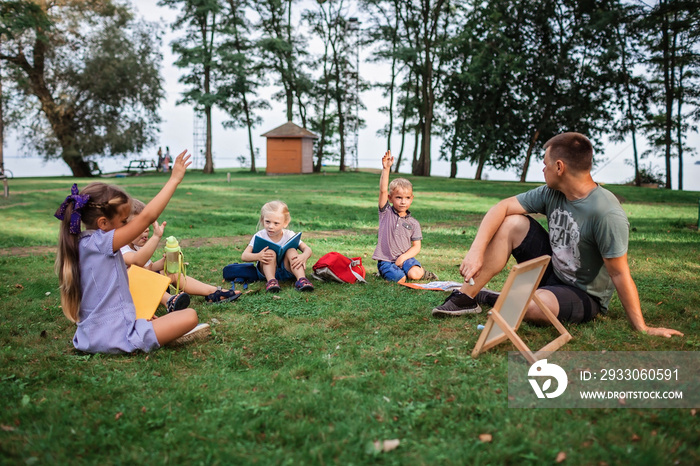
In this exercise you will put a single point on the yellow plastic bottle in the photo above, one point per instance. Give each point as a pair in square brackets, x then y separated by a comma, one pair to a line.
[172, 255]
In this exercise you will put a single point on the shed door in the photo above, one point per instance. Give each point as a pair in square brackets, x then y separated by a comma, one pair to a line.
[283, 156]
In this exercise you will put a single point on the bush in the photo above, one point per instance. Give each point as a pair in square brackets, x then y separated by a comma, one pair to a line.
[650, 175]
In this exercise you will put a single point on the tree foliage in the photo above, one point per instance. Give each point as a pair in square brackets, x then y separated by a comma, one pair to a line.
[89, 75]
[283, 51]
[493, 79]
[672, 32]
[197, 54]
[242, 72]
[336, 94]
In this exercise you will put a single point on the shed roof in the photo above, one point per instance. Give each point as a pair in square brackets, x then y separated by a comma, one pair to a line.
[289, 130]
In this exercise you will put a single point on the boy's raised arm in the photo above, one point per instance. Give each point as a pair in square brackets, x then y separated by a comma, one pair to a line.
[387, 162]
[144, 254]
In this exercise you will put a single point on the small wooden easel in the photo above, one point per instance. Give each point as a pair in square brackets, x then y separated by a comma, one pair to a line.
[509, 310]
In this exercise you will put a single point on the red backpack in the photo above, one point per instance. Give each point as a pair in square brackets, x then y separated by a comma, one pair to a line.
[335, 266]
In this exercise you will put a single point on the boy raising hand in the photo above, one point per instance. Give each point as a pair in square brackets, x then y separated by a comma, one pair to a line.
[399, 236]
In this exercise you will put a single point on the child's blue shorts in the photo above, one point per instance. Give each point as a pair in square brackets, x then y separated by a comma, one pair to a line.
[392, 272]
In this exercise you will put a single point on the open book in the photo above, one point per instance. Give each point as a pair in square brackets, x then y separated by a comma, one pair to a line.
[261, 243]
[437, 286]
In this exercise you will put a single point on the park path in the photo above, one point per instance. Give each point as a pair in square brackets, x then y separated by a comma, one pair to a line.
[192, 242]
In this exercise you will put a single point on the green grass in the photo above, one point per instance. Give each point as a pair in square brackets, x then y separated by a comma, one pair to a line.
[317, 378]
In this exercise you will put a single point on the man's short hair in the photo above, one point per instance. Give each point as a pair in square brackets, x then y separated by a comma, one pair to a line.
[400, 183]
[574, 149]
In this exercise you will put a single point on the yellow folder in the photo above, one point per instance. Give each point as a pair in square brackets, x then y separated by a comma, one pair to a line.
[146, 289]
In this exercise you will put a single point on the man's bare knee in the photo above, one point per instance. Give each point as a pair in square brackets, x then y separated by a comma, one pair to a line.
[515, 228]
[534, 313]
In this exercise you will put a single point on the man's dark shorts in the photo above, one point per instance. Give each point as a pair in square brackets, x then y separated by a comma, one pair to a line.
[575, 305]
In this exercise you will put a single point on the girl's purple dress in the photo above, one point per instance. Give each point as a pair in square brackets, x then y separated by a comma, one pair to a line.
[107, 319]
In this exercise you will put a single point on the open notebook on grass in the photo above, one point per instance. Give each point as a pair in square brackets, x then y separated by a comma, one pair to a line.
[146, 289]
[261, 243]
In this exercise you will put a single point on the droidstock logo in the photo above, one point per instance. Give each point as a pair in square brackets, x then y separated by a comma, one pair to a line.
[543, 369]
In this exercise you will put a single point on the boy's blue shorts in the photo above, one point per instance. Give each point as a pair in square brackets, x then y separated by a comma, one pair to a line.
[392, 272]
[281, 274]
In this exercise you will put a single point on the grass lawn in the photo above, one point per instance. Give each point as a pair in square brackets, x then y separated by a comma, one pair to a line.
[317, 378]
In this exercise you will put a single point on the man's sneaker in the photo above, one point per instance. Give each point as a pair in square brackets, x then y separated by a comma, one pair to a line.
[488, 297]
[457, 304]
[428, 275]
[200, 332]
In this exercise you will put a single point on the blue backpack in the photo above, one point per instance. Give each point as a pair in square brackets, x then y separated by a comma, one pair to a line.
[241, 273]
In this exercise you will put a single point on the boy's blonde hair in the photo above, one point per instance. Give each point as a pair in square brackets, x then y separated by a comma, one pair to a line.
[400, 183]
[104, 201]
[274, 207]
[136, 208]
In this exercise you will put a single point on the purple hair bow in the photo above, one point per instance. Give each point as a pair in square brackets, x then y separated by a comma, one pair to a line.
[80, 200]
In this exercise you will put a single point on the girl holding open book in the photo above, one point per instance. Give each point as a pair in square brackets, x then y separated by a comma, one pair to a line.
[274, 235]
[92, 274]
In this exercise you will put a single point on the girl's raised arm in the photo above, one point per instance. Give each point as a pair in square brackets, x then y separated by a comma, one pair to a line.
[126, 234]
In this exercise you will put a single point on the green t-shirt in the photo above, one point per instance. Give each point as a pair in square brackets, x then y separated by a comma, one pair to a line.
[582, 233]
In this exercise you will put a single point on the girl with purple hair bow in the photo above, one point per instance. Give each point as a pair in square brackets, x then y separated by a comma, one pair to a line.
[92, 274]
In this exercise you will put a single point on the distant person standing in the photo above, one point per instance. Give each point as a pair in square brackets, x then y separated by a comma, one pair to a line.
[166, 160]
[159, 167]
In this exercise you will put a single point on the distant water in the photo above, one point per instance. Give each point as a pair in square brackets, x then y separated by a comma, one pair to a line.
[613, 173]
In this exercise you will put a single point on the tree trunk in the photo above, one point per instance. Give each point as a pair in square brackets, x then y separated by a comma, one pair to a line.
[207, 40]
[530, 148]
[668, 88]
[480, 167]
[453, 161]
[392, 85]
[322, 138]
[249, 124]
[341, 111]
[289, 95]
[6, 188]
[637, 175]
[453, 149]
[679, 124]
[423, 166]
[2, 126]
[630, 114]
[78, 166]
[341, 133]
[403, 134]
[679, 136]
[209, 162]
[321, 146]
[416, 143]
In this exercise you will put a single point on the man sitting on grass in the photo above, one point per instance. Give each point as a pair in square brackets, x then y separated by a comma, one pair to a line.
[587, 239]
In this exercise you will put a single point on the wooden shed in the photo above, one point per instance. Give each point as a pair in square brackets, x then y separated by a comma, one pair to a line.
[290, 149]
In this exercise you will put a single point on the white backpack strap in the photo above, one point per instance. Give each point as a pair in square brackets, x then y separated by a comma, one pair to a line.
[357, 275]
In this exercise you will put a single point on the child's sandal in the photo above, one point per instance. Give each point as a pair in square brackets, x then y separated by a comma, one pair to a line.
[272, 286]
[221, 296]
[303, 284]
[178, 302]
